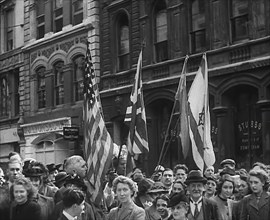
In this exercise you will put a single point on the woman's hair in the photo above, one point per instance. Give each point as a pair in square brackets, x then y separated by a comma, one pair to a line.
[260, 174]
[125, 180]
[180, 166]
[26, 183]
[222, 181]
[71, 197]
[163, 197]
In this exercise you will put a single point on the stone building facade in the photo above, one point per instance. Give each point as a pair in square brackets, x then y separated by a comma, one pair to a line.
[235, 36]
[11, 76]
[55, 37]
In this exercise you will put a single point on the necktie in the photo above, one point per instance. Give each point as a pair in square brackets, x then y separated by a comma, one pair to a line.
[196, 211]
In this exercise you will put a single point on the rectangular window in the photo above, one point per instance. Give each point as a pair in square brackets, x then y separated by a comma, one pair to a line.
[77, 11]
[40, 18]
[58, 15]
[239, 19]
[9, 29]
[198, 39]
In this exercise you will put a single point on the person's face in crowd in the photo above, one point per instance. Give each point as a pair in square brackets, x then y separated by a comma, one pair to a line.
[179, 211]
[167, 178]
[36, 181]
[209, 171]
[161, 208]
[52, 175]
[121, 169]
[256, 184]
[78, 209]
[196, 190]
[181, 175]
[14, 171]
[20, 194]
[243, 188]
[80, 168]
[123, 192]
[226, 190]
[138, 175]
[210, 187]
[177, 187]
[157, 176]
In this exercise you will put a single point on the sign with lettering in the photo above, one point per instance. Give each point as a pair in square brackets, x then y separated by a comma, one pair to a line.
[71, 133]
[249, 135]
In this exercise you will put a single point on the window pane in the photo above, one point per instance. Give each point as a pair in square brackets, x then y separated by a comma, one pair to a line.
[40, 7]
[198, 15]
[58, 4]
[78, 5]
[59, 83]
[161, 26]
[239, 7]
[124, 40]
[41, 87]
[78, 77]
[3, 96]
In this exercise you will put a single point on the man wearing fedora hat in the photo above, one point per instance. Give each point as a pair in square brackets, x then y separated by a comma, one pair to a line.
[201, 208]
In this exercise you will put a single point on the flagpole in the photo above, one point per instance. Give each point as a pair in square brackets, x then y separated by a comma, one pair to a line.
[166, 134]
[170, 140]
[167, 131]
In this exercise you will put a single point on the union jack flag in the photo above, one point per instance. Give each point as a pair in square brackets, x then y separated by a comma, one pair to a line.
[137, 142]
[98, 145]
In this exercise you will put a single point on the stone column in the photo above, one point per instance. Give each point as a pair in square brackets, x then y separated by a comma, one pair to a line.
[222, 142]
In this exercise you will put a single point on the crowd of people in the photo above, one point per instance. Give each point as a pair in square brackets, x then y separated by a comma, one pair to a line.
[31, 190]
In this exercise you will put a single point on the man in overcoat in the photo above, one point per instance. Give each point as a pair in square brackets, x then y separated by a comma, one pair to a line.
[201, 208]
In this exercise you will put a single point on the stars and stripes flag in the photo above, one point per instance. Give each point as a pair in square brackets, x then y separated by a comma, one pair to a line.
[181, 98]
[137, 141]
[98, 145]
[199, 118]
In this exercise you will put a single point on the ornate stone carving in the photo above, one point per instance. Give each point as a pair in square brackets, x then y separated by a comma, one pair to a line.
[11, 61]
[66, 45]
[48, 51]
[34, 56]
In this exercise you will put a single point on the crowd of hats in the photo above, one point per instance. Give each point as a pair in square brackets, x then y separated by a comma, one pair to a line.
[32, 168]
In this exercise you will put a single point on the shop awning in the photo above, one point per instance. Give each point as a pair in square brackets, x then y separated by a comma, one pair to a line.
[51, 137]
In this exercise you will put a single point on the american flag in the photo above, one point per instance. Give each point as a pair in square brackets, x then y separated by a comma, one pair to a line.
[137, 142]
[98, 145]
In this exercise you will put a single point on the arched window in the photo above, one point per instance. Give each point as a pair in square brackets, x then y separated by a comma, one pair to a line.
[59, 82]
[198, 40]
[161, 32]
[78, 70]
[41, 87]
[123, 43]
[3, 96]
